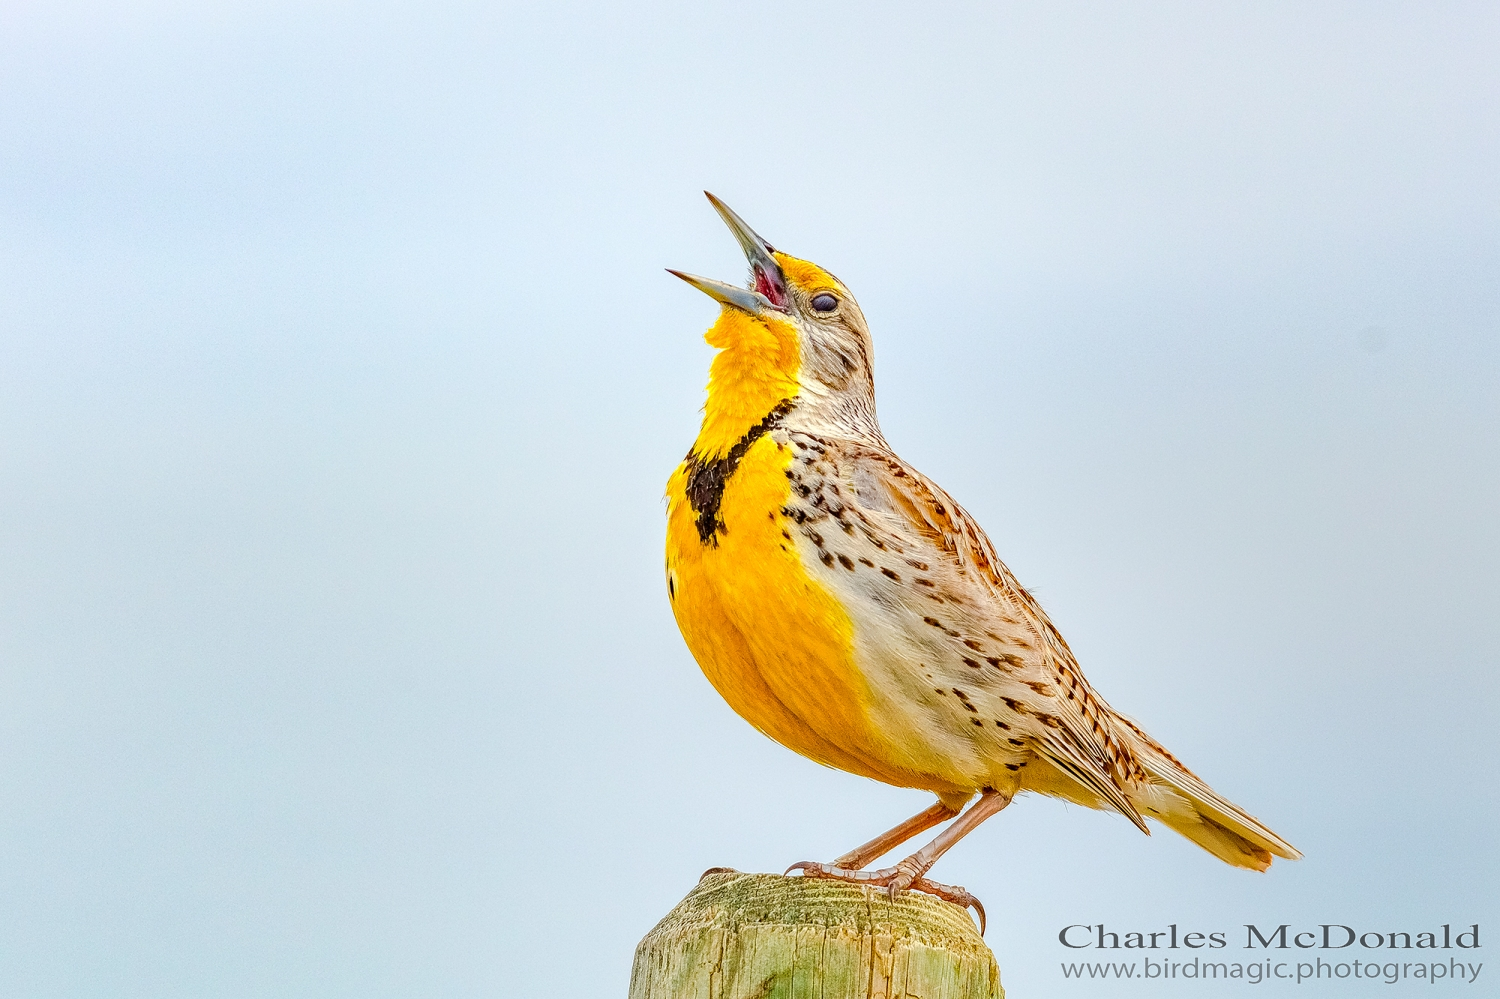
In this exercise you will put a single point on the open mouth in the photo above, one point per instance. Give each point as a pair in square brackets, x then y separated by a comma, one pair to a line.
[766, 276]
[771, 284]
[768, 287]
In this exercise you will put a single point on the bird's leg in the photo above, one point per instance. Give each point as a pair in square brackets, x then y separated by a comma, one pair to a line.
[908, 873]
[860, 856]
[918, 864]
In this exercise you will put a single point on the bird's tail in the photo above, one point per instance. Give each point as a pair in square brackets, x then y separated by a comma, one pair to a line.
[1179, 799]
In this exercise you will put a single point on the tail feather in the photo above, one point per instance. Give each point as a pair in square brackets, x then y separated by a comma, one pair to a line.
[1181, 801]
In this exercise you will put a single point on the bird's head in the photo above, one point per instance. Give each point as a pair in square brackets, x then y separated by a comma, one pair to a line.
[794, 335]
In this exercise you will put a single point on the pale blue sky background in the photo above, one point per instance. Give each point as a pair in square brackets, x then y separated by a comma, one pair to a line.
[341, 379]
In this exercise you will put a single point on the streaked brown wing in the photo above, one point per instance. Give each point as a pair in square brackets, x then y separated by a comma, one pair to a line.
[1080, 737]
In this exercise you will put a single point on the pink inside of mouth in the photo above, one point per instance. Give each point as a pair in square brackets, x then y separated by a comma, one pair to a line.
[771, 286]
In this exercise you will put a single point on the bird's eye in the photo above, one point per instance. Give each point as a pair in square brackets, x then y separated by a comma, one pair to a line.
[825, 302]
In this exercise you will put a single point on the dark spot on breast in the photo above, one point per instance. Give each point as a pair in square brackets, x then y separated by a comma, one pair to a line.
[887, 572]
[1013, 766]
[977, 721]
[1013, 742]
[1051, 721]
[971, 663]
[1039, 687]
[925, 582]
[825, 558]
[933, 621]
[867, 562]
[973, 645]
[817, 538]
[845, 561]
[706, 478]
[940, 690]
[1016, 706]
[1002, 724]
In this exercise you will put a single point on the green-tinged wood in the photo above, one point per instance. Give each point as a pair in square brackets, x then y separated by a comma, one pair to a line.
[763, 936]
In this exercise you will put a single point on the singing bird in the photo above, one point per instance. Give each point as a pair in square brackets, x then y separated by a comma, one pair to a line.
[847, 607]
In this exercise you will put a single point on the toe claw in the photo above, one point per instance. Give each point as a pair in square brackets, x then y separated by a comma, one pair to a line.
[717, 870]
[809, 869]
[894, 880]
[956, 895]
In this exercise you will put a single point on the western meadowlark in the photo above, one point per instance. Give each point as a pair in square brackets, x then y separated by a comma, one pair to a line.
[847, 607]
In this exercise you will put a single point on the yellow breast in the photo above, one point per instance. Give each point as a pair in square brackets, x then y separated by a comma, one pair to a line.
[773, 642]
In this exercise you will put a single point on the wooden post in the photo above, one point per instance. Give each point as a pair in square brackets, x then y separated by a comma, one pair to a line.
[764, 936]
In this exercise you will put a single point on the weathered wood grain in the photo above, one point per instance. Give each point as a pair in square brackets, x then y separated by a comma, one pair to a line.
[763, 936]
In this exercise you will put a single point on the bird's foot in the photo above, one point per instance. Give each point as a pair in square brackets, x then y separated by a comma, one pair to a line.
[894, 879]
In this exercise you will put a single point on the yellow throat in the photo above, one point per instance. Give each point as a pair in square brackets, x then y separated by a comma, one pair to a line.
[754, 372]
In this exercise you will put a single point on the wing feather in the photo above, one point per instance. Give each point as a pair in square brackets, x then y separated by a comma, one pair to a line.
[1084, 743]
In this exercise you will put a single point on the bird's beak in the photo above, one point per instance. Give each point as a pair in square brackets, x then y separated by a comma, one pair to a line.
[765, 273]
[768, 284]
[752, 302]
